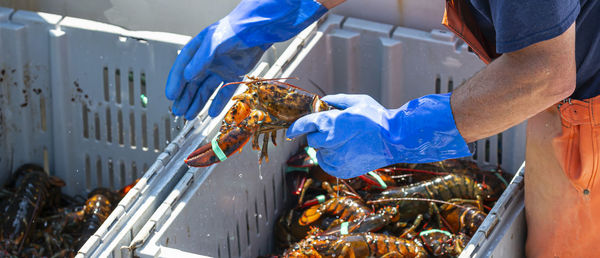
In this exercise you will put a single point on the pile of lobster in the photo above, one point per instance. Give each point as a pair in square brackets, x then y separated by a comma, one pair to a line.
[404, 210]
[39, 221]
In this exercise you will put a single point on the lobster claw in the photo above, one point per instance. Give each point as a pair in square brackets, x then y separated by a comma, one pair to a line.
[229, 143]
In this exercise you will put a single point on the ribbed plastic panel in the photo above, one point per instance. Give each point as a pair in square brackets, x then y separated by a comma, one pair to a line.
[229, 209]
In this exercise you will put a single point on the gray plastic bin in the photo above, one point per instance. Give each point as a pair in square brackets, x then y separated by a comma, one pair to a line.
[71, 100]
[229, 209]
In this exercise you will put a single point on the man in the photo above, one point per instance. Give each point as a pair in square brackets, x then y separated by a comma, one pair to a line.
[539, 53]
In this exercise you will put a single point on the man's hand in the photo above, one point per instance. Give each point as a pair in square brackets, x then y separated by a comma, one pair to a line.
[365, 136]
[229, 48]
[515, 87]
[330, 3]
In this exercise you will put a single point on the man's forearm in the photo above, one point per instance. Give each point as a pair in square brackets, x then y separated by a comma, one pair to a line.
[515, 87]
[330, 3]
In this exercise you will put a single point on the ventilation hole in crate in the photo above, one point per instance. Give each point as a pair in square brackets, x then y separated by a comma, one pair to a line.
[88, 172]
[123, 173]
[84, 115]
[219, 251]
[475, 150]
[132, 130]
[120, 127]
[499, 149]
[450, 85]
[228, 245]
[99, 172]
[134, 171]
[274, 194]
[146, 167]
[266, 204]
[97, 125]
[46, 160]
[108, 126]
[247, 227]
[118, 85]
[130, 83]
[156, 138]
[43, 112]
[105, 82]
[111, 174]
[143, 88]
[438, 84]
[487, 150]
[168, 129]
[256, 217]
[239, 245]
[144, 133]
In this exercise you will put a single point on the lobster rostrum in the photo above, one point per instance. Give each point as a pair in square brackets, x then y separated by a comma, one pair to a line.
[265, 107]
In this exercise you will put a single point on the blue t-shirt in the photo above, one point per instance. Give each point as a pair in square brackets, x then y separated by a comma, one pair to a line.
[514, 25]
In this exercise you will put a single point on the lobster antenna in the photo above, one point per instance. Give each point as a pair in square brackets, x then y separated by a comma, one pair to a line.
[415, 199]
[411, 170]
[350, 187]
[255, 79]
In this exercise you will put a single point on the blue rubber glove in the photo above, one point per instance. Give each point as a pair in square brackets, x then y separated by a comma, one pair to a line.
[229, 48]
[365, 136]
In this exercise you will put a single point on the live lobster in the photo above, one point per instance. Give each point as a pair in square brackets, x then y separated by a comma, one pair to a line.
[265, 107]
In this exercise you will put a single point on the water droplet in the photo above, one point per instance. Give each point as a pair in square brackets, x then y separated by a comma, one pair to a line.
[240, 175]
[207, 235]
[260, 216]
[259, 166]
[167, 142]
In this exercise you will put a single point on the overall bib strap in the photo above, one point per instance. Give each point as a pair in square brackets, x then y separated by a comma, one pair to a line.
[459, 19]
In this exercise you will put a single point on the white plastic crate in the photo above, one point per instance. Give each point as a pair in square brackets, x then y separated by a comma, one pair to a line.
[71, 100]
[229, 209]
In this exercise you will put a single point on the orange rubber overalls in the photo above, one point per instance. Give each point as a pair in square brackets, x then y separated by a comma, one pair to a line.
[562, 192]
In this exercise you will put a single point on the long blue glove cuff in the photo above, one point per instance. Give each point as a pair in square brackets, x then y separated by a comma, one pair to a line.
[423, 130]
[263, 22]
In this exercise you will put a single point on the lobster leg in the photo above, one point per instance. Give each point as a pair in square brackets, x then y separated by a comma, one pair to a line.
[274, 137]
[263, 152]
[255, 136]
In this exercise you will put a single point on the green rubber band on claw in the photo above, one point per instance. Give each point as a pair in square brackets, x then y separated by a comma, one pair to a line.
[320, 198]
[312, 154]
[501, 179]
[435, 231]
[215, 147]
[378, 178]
[292, 169]
[344, 228]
